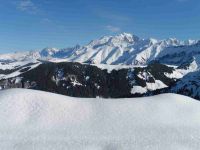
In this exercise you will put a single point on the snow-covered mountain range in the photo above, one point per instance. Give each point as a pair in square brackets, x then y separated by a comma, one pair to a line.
[150, 65]
[124, 48]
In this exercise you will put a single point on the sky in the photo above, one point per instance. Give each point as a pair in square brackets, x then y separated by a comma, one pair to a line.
[36, 24]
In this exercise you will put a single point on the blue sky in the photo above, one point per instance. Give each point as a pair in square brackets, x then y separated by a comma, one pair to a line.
[35, 24]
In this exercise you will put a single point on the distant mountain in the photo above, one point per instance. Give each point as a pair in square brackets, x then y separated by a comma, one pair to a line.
[142, 66]
[120, 49]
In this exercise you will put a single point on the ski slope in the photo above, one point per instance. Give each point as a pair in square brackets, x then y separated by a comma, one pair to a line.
[34, 120]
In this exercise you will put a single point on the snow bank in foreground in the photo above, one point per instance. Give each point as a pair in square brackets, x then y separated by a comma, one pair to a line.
[38, 120]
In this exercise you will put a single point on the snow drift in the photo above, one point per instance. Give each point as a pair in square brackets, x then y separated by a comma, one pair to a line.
[39, 120]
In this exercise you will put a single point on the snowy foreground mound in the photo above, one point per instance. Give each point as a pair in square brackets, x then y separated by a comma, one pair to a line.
[31, 120]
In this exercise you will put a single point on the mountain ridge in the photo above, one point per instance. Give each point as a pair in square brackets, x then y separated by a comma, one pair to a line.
[124, 48]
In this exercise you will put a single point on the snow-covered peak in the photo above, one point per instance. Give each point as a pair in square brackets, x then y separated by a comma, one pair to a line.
[128, 37]
[190, 42]
[153, 41]
[46, 52]
[120, 40]
[123, 40]
[172, 42]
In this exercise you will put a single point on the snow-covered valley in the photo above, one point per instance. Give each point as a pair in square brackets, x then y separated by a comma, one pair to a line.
[39, 120]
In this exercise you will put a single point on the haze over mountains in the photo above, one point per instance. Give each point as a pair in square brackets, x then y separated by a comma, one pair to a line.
[144, 66]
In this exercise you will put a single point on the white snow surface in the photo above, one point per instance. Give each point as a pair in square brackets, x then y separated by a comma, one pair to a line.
[138, 90]
[149, 87]
[110, 68]
[31, 120]
[17, 65]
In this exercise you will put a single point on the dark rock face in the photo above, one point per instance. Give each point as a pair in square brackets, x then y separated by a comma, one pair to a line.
[189, 85]
[74, 79]
[156, 71]
[79, 80]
